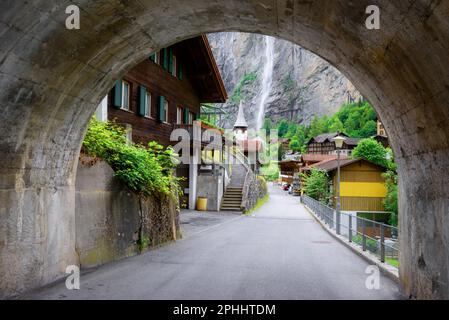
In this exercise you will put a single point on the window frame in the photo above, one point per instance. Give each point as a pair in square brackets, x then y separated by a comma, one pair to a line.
[148, 104]
[179, 111]
[166, 107]
[127, 97]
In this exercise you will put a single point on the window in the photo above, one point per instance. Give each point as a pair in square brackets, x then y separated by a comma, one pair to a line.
[179, 68]
[166, 110]
[174, 69]
[125, 95]
[145, 102]
[164, 57]
[178, 115]
[148, 104]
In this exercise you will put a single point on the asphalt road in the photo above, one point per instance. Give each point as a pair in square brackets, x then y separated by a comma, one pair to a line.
[279, 252]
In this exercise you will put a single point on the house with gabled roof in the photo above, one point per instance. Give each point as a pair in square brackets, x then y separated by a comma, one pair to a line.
[323, 144]
[163, 93]
[362, 186]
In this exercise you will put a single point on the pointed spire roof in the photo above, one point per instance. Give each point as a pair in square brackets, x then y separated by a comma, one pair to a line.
[241, 121]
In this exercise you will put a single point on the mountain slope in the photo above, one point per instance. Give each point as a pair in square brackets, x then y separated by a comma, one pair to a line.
[302, 84]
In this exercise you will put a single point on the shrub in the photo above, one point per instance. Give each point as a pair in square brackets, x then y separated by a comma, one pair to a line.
[371, 245]
[270, 171]
[316, 185]
[391, 200]
[295, 145]
[373, 151]
[145, 170]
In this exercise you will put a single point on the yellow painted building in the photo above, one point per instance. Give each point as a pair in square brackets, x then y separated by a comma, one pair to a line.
[362, 187]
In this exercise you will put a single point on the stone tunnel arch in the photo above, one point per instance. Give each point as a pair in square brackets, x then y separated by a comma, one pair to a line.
[53, 78]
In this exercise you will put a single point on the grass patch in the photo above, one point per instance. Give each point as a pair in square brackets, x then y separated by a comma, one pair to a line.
[371, 245]
[259, 204]
[392, 262]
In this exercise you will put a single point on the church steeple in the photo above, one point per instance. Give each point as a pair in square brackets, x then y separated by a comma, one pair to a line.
[241, 123]
[241, 126]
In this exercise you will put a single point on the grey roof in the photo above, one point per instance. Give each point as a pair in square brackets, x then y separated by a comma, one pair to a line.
[241, 121]
[325, 136]
[329, 136]
[332, 165]
[352, 141]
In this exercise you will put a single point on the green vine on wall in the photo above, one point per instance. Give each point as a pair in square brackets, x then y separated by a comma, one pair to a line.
[146, 170]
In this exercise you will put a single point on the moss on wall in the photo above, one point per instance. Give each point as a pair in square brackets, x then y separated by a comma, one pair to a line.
[113, 223]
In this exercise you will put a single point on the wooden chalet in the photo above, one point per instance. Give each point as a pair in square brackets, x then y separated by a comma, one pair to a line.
[166, 90]
[323, 144]
[164, 93]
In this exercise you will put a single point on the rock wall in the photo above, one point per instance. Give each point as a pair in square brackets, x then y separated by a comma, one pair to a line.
[303, 84]
[257, 189]
[113, 223]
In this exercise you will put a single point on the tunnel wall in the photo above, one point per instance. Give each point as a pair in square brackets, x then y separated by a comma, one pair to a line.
[52, 80]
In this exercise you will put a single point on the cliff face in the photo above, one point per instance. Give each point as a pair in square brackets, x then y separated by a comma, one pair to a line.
[297, 83]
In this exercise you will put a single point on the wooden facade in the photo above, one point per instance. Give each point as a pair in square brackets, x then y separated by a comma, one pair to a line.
[288, 169]
[321, 148]
[323, 144]
[166, 90]
[164, 93]
[362, 187]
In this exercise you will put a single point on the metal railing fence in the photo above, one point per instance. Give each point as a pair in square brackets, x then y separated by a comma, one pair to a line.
[376, 237]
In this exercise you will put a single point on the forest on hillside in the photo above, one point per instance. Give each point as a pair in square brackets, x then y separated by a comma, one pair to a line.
[357, 120]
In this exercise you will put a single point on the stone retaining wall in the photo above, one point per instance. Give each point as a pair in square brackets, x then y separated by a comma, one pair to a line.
[113, 223]
[257, 189]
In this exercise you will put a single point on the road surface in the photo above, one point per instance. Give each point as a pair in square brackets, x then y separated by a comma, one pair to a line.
[278, 252]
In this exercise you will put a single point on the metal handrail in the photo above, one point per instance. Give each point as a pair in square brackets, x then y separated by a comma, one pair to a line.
[329, 216]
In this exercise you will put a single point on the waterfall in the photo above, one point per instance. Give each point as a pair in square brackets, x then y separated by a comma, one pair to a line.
[267, 81]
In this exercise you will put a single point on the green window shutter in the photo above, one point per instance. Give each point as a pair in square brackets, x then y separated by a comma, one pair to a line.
[186, 115]
[117, 93]
[153, 57]
[179, 70]
[197, 116]
[161, 109]
[165, 58]
[170, 60]
[142, 100]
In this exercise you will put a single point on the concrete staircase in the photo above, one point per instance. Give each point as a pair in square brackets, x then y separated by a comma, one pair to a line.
[232, 199]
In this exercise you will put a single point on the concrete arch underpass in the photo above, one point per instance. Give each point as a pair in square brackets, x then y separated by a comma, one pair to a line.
[53, 78]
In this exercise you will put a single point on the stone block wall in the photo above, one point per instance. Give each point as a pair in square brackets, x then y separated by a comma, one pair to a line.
[257, 189]
[113, 223]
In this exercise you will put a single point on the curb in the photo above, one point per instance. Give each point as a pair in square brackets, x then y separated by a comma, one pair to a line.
[389, 271]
